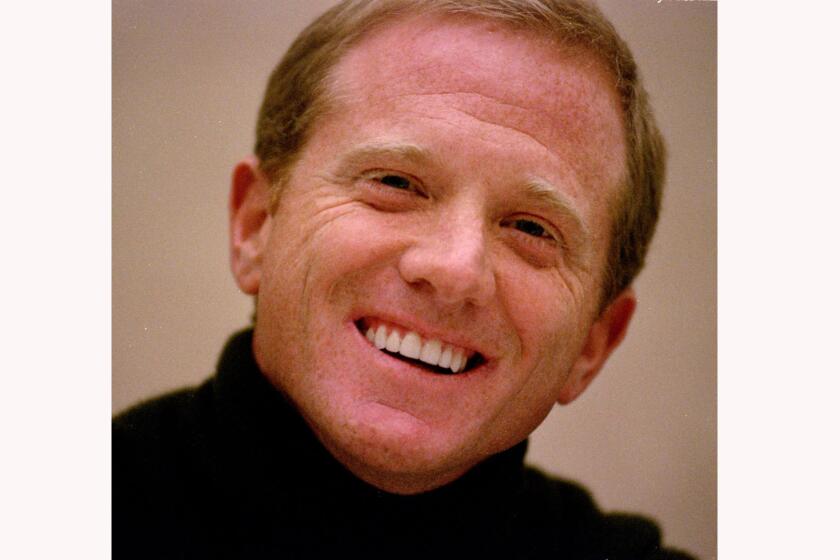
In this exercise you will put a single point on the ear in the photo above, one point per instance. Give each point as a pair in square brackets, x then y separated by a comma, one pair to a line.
[250, 223]
[604, 336]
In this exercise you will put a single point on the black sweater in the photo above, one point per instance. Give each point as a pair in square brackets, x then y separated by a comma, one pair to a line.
[230, 470]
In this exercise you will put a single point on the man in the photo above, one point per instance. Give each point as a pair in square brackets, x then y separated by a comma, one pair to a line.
[447, 206]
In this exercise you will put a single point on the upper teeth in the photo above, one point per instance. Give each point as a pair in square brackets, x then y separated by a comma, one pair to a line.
[412, 345]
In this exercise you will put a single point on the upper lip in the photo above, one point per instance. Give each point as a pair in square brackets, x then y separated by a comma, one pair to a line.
[429, 332]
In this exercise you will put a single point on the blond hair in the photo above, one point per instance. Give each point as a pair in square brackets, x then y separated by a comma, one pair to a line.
[298, 92]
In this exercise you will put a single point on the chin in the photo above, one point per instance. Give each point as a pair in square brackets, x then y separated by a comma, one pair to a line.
[395, 451]
[400, 425]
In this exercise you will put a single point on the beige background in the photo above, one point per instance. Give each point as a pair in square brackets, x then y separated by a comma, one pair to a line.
[187, 81]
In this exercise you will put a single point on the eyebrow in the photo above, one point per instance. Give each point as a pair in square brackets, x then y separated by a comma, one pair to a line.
[545, 194]
[370, 150]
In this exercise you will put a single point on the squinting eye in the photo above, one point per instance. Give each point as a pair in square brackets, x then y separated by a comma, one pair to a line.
[530, 227]
[395, 181]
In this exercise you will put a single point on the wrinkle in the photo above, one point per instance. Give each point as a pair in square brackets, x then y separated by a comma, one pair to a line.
[334, 208]
[472, 94]
[509, 127]
[492, 98]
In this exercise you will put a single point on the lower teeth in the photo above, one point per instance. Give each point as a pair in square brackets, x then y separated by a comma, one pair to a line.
[424, 365]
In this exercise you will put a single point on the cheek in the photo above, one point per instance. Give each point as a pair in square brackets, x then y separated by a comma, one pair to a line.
[317, 242]
[545, 308]
[320, 273]
[348, 253]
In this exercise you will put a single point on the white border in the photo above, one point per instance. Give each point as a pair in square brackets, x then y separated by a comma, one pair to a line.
[55, 229]
[778, 305]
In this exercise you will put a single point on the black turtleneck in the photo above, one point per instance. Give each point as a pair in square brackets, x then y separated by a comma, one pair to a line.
[230, 470]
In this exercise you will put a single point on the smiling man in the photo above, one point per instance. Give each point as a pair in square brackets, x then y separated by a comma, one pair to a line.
[447, 206]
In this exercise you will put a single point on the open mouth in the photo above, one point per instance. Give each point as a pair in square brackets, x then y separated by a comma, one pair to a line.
[433, 355]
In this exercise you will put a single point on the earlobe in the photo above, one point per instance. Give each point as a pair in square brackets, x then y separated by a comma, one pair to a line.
[604, 336]
[249, 223]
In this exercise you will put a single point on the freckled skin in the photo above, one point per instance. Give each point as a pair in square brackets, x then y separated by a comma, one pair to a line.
[492, 106]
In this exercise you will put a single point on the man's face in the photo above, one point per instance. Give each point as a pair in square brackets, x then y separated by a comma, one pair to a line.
[458, 191]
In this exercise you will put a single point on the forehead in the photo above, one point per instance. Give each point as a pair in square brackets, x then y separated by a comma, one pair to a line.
[559, 96]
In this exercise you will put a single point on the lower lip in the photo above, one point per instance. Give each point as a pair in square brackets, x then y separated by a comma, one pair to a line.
[402, 367]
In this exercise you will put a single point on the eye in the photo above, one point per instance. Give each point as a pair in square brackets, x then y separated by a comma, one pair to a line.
[391, 183]
[390, 191]
[396, 181]
[534, 239]
[532, 228]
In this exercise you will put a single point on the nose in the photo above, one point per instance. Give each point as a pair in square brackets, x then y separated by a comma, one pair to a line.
[451, 260]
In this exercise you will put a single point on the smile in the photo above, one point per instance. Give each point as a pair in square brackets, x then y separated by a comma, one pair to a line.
[429, 353]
